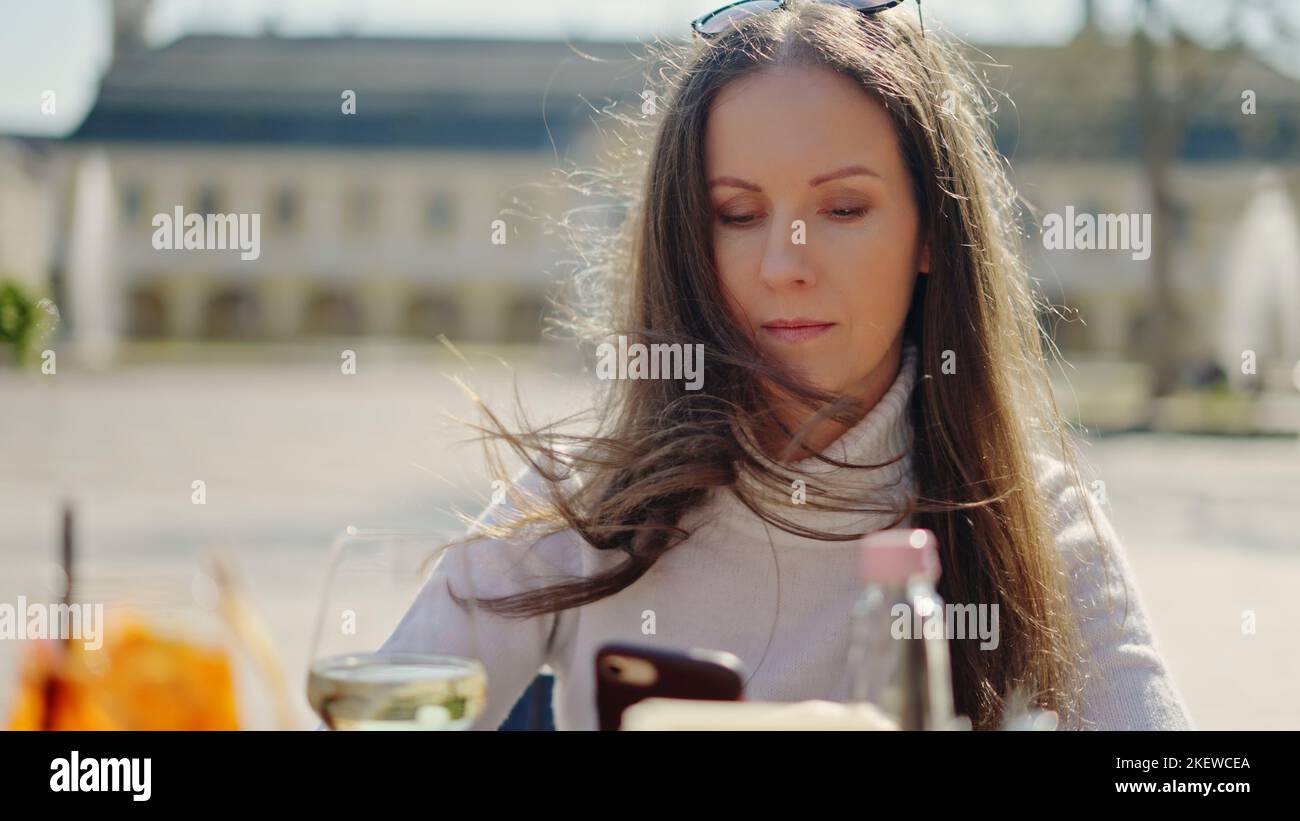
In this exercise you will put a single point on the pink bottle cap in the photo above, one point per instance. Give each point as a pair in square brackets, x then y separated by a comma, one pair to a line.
[894, 555]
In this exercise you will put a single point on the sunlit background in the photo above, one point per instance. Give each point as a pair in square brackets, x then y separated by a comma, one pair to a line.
[137, 372]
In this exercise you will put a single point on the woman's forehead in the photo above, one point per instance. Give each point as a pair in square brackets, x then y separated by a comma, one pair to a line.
[789, 126]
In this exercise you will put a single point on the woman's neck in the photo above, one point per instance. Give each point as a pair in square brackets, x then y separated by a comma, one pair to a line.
[868, 390]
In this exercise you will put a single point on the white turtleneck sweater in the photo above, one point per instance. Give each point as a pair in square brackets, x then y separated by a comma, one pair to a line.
[779, 601]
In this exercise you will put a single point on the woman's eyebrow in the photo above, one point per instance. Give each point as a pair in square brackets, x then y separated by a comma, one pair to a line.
[734, 182]
[846, 171]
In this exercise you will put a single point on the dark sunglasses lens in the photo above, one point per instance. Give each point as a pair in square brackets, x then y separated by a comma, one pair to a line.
[724, 19]
[865, 5]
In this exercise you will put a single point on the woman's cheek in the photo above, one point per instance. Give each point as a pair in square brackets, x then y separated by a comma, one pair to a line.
[890, 255]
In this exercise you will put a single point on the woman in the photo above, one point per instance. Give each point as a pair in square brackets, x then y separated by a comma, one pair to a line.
[823, 210]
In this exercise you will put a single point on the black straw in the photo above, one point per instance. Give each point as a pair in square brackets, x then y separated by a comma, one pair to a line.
[53, 680]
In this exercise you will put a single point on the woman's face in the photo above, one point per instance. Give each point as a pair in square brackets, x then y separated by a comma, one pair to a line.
[814, 222]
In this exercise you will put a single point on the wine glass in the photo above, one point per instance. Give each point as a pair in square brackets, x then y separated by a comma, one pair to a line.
[363, 673]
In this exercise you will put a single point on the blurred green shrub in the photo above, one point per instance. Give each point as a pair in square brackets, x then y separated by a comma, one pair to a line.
[21, 318]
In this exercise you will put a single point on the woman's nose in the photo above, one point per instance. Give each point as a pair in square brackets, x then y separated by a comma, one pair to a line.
[786, 258]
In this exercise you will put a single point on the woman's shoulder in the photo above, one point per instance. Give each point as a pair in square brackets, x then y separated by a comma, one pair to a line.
[1092, 554]
[1074, 500]
[1129, 685]
[537, 548]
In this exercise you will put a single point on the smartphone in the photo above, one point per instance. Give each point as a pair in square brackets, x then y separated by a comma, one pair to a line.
[628, 673]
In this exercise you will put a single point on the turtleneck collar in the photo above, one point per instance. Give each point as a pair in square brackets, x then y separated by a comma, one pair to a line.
[882, 434]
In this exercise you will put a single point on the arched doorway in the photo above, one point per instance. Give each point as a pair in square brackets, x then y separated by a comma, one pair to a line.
[331, 312]
[431, 314]
[146, 313]
[524, 319]
[232, 313]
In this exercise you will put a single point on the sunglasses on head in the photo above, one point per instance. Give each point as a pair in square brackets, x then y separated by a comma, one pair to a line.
[718, 21]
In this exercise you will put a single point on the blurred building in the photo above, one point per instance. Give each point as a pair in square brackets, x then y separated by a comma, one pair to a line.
[26, 218]
[381, 221]
[1071, 131]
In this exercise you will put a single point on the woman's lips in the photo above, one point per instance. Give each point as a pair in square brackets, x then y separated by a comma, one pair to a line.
[801, 333]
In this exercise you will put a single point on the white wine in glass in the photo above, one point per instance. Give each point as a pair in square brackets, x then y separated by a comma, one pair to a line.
[397, 692]
[353, 682]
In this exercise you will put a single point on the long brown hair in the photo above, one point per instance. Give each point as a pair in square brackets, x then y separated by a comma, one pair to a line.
[657, 448]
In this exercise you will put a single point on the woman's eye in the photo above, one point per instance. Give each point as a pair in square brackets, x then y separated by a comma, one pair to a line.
[736, 219]
[840, 214]
[848, 213]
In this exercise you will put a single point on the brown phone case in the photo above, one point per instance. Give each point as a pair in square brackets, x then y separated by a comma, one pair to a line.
[628, 673]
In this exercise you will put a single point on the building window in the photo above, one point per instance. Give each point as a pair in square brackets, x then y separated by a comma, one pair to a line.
[432, 314]
[286, 210]
[232, 313]
[1181, 216]
[147, 313]
[525, 319]
[133, 204]
[440, 214]
[360, 211]
[331, 312]
[207, 200]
